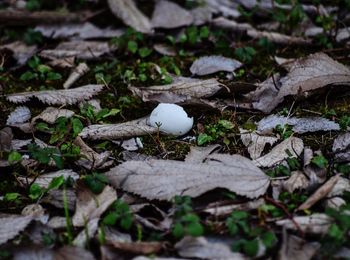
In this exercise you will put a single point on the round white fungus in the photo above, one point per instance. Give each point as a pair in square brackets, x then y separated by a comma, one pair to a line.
[171, 119]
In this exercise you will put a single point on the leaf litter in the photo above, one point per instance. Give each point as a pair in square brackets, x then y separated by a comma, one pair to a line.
[165, 194]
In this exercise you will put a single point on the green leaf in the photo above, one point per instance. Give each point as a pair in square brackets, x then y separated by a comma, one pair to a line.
[35, 191]
[11, 196]
[77, 126]
[226, 124]
[251, 247]
[14, 157]
[110, 219]
[203, 139]
[95, 183]
[320, 161]
[195, 229]
[132, 46]
[204, 32]
[56, 183]
[43, 68]
[28, 75]
[53, 76]
[178, 231]
[269, 239]
[144, 52]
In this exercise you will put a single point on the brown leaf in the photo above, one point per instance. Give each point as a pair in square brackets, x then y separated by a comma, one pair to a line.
[211, 64]
[76, 74]
[296, 181]
[127, 11]
[58, 97]
[163, 179]
[183, 90]
[165, 49]
[226, 210]
[6, 137]
[305, 74]
[199, 247]
[118, 131]
[170, 15]
[138, 247]
[12, 225]
[83, 238]
[90, 206]
[319, 193]
[198, 154]
[73, 253]
[78, 49]
[279, 153]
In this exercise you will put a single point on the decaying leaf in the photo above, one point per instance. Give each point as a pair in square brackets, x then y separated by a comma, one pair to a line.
[278, 37]
[314, 224]
[294, 247]
[19, 116]
[51, 114]
[78, 31]
[296, 181]
[21, 51]
[90, 206]
[138, 247]
[55, 198]
[291, 147]
[90, 229]
[200, 247]
[12, 225]
[35, 252]
[78, 72]
[300, 125]
[181, 91]
[225, 7]
[199, 154]
[256, 142]
[341, 147]
[164, 49]
[319, 193]
[211, 64]
[79, 49]
[169, 15]
[133, 128]
[127, 11]
[44, 180]
[163, 179]
[226, 210]
[6, 137]
[341, 186]
[73, 253]
[58, 97]
[304, 75]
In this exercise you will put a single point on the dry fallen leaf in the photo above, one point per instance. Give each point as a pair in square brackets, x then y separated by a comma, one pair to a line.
[90, 206]
[76, 74]
[291, 147]
[296, 181]
[183, 90]
[12, 225]
[319, 193]
[164, 49]
[304, 75]
[200, 247]
[79, 49]
[55, 197]
[83, 238]
[127, 11]
[6, 137]
[211, 64]
[256, 142]
[118, 131]
[137, 247]
[163, 179]
[341, 147]
[73, 253]
[19, 116]
[300, 125]
[311, 224]
[198, 154]
[225, 210]
[294, 247]
[77, 31]
[51, 114]
[170, 15]
[21, 51]
[58, 97]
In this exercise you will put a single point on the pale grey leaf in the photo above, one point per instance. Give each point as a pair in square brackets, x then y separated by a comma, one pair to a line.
[51, 114]
[12, 225]
[199, 154]
[21, 51]
[58, 97]
[341, 147]
[211, 64]
[33, 253]
[169, 15]
[200, 247]
[181, 91]
[292, 146]
[312, 224]
[19, 116]
[163, 179]
[300, 125]
[89, 231]
[90, 206]
[133, 128]
[296, 181]
[127, 11]
[81, 31]
[76, 74]
[164, 49]
[80, 49]
[73, 253]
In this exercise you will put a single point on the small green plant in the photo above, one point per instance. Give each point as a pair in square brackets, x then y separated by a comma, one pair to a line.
[194, 35]
[285, 131]
[96, 182]
[119, 214]
[213, 132]
[344, 122]
[44, 155]
[238, 221]
[245, 54]
[36, 191]
[97, 117]
[186, 222]
[320, 161]
[39, 71]
[292, 200]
